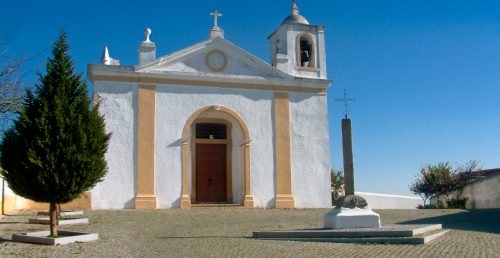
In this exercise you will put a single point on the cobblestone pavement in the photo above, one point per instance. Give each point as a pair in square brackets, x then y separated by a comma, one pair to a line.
[226, 232]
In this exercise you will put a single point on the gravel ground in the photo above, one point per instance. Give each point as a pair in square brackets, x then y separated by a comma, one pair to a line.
[226, 232]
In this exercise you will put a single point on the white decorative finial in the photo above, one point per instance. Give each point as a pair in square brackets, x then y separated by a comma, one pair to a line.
[147, 32]
[106, 59]
[105, 55]
[295, 9]
[216, 14]
[147, 49]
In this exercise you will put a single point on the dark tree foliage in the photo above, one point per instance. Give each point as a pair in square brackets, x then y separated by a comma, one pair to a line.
[442, 179]
[432, 181]
[336, 184]
[55, 149]
[462, 175]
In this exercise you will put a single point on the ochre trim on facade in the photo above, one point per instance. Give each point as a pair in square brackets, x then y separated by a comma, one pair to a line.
[14, 202]
[236, 85]
[186, 140]
[146, 116]
[214, 69]
[248, 198]
[9, 203]
[236, 116]
[284, 196]
[185, 198]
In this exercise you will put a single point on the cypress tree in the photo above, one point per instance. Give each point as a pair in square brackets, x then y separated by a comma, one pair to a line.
[55, 148]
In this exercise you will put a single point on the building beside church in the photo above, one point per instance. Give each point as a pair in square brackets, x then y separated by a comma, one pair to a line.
[211, 123]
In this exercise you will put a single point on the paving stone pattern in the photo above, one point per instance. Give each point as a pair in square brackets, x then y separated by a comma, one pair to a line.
[226, 232]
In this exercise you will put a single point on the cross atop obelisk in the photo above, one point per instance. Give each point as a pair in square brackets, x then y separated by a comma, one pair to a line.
[345, 99]
[216, 15]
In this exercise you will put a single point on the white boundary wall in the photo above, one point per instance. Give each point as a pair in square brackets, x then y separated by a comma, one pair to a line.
[386, 201]
[483, 193]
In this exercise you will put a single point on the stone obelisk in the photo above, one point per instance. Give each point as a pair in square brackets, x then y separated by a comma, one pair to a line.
[352, 211]
[348, 158]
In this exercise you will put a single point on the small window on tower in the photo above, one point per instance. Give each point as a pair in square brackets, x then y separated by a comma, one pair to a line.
[211, 131]
[306, 51]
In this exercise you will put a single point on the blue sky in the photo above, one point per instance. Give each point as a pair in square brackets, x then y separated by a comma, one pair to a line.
[426, 74]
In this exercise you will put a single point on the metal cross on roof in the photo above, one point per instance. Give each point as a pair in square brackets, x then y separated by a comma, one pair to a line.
[215, 14]
[345, 99]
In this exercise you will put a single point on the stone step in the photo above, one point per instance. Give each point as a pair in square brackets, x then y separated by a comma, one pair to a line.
[415, 240]
[384, 231]
[395, 234]
[210, 205]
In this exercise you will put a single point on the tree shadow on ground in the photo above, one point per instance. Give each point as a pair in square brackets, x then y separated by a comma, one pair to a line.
[472, 220]
[10, 222]
[3, 240]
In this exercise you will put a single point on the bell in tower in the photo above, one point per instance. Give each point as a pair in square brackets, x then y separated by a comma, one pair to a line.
[298, 48]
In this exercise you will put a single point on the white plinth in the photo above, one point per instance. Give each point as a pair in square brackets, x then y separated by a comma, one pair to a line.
[65, 237]
[339, 218]
[63, 213]
[65, 221]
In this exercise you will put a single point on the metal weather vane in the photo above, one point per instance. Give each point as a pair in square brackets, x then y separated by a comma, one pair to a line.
[346, 100]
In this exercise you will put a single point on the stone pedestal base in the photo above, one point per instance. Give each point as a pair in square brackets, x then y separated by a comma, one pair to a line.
[185, 202]
[248, 201]
[343, 217]
[285, 201]
[145, 202]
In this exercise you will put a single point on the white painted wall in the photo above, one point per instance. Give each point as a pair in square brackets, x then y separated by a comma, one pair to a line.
[483, 193]
[118, 105]
[310, 150]
[237, 66]
[175, 104]
[386, 201]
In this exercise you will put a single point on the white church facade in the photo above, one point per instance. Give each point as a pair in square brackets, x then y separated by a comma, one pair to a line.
[212, 123]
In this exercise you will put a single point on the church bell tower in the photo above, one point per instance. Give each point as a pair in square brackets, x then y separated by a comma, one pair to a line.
[298, 48]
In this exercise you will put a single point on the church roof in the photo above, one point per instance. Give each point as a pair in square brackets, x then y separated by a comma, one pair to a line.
[295, 19]
[188, 60]
[214, 62]
[190, 66]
